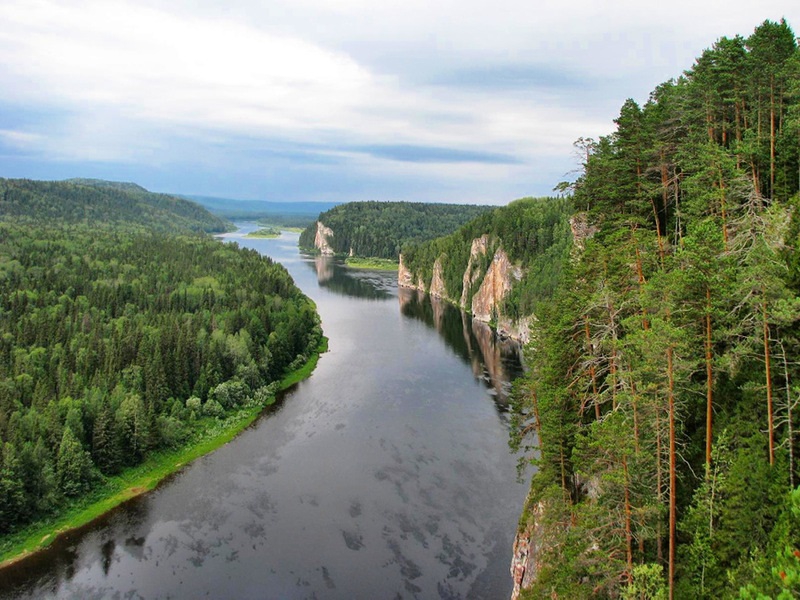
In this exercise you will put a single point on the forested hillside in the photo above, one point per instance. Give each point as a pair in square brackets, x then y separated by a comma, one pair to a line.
[119, 340]
[534, 233]
[663, 388]
[95, 201]
[381, 229]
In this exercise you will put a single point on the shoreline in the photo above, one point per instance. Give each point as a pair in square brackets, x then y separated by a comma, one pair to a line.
[145, 477]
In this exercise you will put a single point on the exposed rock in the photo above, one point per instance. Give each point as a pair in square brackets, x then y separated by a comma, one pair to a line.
[495, 284]
[438, 288]
[518, 330]
[581, 230]
[499, 279]
[526, 561]
[405, 278]
[480, 246]
[321, 239]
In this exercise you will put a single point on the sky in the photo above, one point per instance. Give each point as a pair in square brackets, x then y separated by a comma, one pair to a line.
[337, 100]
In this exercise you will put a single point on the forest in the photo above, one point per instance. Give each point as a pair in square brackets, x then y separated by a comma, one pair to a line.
[92, 201]
[661, 405]
[381, 229]
[534, 232]
[120, 339]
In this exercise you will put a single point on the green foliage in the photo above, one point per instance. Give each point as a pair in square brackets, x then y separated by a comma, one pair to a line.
[647, 583]
[265, 232]
[116, 343]
[534, 233]
[382, 229]
[679, 321]
[92, 201]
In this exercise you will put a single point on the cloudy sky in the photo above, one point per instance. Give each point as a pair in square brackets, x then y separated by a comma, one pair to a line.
[447, 100]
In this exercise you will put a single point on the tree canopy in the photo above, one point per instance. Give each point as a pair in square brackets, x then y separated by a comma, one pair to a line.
[382, 229]
[662, 395]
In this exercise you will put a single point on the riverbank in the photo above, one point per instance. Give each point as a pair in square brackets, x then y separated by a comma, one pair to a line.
[378, 264]
[145, 477]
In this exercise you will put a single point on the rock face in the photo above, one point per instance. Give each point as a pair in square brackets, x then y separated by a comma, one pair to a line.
[438, 288]
[517, 330]
[499, 279]
[321, 239]
[480, 246]
[495, 284]
[581, 230]
[405, 278]
[528, 544]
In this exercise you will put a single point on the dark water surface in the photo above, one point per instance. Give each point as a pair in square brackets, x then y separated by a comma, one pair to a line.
[386, 474]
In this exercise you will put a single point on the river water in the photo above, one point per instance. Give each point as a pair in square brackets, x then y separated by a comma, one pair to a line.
[386, 474]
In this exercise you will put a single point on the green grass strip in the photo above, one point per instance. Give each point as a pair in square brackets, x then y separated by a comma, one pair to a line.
[378, 264]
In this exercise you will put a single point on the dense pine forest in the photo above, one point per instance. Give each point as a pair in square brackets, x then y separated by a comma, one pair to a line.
[662, 399]
[124, 334]
[381, 229]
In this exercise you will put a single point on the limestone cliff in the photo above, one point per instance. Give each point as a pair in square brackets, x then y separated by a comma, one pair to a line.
[405, 278]
[321, 238]
[494, 283]
[500, 277]
[438, 288]
[526, 560]
[479, 248]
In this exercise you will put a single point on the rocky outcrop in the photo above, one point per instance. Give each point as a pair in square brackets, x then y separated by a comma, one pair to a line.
[500, 277]
[518, 330]
[495, 284]
[321, 238]
[581, 230]
[526, 562]
[438, 288]
[405, 278]
[479, 248]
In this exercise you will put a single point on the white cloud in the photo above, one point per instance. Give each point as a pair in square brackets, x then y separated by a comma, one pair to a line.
[133, 81]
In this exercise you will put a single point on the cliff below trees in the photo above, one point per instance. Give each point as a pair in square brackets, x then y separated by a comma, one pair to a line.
[498, 266]
[382, 229]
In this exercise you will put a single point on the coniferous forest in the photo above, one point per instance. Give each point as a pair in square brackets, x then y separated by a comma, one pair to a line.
[122, 337]
[382, 229]
[661, 406]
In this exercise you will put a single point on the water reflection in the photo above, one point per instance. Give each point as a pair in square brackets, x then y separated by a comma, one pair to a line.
[356, 283]
[386, 474]
[493, 360]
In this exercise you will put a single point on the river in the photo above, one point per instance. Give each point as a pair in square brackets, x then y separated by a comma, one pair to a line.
[386, 474]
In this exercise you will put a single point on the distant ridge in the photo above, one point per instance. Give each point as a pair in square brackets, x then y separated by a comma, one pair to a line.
[109, 202]
[297, 214]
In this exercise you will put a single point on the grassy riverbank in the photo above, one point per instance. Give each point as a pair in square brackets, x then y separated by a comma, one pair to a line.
[381, 264]
[210, 435]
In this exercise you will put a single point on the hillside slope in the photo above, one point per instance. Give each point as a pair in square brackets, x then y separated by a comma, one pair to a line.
[93, 201]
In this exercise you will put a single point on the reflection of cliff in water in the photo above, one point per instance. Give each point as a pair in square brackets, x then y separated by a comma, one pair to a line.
[494, 360]
[334, 276]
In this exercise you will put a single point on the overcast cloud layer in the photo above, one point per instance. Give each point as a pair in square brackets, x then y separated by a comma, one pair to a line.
[457, 101]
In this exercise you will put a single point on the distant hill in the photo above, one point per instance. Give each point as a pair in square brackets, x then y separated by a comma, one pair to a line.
[96, 201]
[288, 214]
[381, 229]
